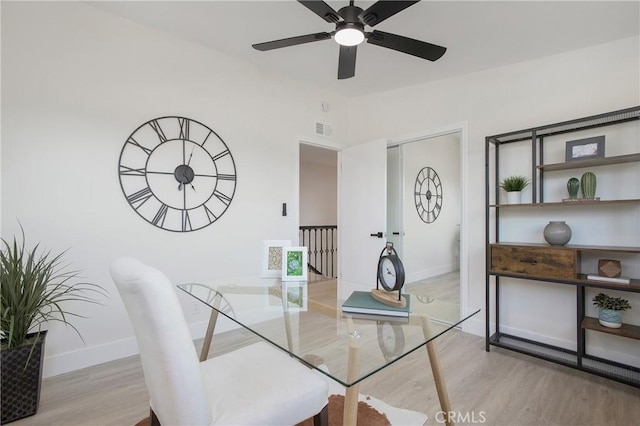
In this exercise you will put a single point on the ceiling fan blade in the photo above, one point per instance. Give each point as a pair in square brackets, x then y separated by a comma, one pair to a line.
[382, 10]
[407, 45]
[291, 41]
[321, 9]
[347, 62]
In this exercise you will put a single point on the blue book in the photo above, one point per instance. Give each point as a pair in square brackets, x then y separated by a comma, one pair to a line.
[361, 302]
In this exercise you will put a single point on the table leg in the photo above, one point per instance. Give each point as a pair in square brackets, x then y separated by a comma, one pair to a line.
[206, 344]
[438, 378]
[350, 414]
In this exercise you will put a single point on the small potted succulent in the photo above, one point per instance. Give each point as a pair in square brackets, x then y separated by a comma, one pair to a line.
[611, 309]
[514, 185]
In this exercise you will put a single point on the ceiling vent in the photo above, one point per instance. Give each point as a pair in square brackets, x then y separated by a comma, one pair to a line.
[323, 129]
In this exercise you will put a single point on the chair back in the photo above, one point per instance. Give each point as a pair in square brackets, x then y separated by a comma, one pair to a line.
[170, 364]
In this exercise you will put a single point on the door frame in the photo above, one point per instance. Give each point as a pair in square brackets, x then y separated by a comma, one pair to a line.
[459, 127]
[320, 143]
[462, 129]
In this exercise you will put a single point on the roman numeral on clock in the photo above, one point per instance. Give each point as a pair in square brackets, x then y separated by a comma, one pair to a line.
[139, 198]
[222, 197]
[184, 127]
[158, 129]
[135, 143]
[160, 215]
[186, 221]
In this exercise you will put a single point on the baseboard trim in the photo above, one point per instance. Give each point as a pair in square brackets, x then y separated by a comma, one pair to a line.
[431, 272]
[99, 354]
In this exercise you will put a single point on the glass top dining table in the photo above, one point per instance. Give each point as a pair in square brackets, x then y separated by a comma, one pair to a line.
[306, 321]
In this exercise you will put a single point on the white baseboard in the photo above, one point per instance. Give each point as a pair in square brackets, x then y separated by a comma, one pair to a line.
[542, 338]
[87, 357]
[608, 352]
[431, 272]
[474, 325]
[95, 355]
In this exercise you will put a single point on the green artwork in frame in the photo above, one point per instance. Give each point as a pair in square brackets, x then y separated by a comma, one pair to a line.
[294, 263]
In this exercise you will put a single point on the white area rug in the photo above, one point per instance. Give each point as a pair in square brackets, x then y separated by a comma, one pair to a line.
[397, 416]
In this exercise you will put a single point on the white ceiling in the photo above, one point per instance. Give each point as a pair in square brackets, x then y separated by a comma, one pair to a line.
[478, 35]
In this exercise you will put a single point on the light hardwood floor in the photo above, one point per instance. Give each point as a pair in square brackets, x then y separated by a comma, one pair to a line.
[496, 388]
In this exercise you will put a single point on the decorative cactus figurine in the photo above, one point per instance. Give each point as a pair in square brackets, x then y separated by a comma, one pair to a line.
[572, 187]
[588, 185]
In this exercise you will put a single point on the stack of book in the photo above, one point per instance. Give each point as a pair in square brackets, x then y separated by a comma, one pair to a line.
[361, 302]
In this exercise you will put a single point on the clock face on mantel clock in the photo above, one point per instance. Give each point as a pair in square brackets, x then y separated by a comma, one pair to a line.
[177, 174]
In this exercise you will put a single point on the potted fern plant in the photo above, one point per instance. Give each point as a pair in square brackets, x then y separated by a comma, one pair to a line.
[611, 309]
[35, 287]
[514, 185]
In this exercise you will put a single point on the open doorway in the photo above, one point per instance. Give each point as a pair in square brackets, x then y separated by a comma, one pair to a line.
[318, 177]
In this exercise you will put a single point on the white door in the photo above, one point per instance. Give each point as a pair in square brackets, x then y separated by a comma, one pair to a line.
[394, 199]
[362, 183]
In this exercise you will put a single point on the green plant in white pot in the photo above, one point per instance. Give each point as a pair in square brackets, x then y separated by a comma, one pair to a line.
[514, 185]
[35, 288]
[611, 309]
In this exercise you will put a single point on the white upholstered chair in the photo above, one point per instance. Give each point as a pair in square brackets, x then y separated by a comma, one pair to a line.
[256, 385]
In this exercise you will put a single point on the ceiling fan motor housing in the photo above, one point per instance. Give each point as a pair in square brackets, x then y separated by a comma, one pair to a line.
[350, 15]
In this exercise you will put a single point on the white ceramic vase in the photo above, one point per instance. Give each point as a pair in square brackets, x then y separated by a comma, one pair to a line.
[514, 197]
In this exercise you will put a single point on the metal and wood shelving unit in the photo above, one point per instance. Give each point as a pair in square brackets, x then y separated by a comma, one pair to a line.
[531, 261]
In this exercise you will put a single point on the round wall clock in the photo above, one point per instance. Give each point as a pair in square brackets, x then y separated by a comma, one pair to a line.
[428, 195]
[177, 174]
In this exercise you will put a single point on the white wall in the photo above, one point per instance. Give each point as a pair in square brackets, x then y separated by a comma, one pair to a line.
[562, 87]
[318, 194]
[76, 82]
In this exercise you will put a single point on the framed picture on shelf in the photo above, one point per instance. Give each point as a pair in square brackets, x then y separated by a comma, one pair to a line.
[584, 149]
[294, 264]
[272, 258]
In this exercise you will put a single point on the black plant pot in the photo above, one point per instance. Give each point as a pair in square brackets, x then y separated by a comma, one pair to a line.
[20, 384]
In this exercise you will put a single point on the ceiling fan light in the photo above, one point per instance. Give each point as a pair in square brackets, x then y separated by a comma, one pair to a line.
[349, 36]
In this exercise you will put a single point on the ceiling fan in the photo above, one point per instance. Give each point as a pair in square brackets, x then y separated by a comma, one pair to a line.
[350, 22]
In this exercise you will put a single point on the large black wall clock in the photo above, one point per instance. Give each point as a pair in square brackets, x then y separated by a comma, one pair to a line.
[428, 194]
[177, 174]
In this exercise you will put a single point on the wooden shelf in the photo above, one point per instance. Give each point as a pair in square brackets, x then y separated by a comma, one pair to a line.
[619, 249]
[580, 203]
[627, 330]
[595, 162]
[633, 287]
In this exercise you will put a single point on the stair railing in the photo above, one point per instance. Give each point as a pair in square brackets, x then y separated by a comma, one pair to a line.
[322, 248]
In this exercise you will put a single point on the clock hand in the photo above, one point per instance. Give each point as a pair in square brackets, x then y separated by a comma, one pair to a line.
[186, 178]
[191, 155]
[389, 272]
